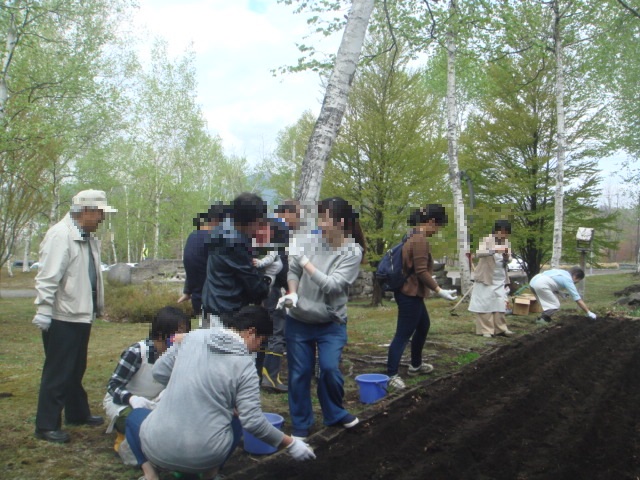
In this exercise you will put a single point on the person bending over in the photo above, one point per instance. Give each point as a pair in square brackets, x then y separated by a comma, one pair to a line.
[545, 285]
[212, 393]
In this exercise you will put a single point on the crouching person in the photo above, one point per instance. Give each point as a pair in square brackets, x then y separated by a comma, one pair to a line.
[132, 384]
[212, 393]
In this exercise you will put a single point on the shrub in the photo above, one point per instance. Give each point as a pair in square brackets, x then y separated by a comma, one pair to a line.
[138, 303]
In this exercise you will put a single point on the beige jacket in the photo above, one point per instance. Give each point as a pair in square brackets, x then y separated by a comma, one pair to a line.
[486, 260]
[63, 288]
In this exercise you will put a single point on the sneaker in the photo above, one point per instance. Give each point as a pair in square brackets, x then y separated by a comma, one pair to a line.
[487, 335]
[396, 382]
[508, 333]
[349, 421]
[542, 322]
[423, 369]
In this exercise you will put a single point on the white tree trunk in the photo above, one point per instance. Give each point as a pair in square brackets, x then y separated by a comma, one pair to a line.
[156, 232]
[335, 102]
[559, 194]
[12, 40]
[454, 171]
[27, 248]
[53, 213]
[126, 219]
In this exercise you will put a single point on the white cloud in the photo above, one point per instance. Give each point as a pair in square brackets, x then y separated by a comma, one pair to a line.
[237, 45]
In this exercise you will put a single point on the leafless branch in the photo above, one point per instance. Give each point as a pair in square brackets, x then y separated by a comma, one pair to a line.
[633, 11]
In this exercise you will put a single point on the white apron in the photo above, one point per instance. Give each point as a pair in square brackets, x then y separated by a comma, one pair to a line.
[141, 384]
[490, 298]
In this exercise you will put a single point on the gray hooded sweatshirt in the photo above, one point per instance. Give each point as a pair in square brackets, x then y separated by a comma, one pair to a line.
[322, 297]
[207, 375]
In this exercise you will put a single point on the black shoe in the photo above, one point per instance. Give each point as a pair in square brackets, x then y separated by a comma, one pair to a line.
[275, 387]
[56, 436]
[91, 420]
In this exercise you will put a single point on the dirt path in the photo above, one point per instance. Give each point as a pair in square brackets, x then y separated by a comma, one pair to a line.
[561, 404]
[17, 292]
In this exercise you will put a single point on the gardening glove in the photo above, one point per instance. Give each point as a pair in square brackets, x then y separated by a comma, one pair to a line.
[592, 315]
[447, 294]
[140, 402]
[43, 322]
[300, 450]
[295, 247]
[288, 301]
[303, 260]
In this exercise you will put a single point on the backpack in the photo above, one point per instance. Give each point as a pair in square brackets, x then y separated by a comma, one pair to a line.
[389, 272]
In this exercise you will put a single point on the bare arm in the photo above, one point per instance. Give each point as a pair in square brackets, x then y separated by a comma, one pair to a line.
[583, 305]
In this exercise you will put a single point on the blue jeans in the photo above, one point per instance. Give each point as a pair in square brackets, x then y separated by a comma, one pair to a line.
[302, 341]
[413, 323]
[132, 432]
[138, 415]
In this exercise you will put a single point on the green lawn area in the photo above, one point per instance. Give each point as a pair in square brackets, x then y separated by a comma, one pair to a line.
[451, 344]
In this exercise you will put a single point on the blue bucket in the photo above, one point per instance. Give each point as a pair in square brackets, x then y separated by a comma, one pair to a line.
[255, 445]
[373, 386]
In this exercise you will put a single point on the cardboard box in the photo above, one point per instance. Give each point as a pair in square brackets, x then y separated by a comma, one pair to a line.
[526, 304]
[521, 306]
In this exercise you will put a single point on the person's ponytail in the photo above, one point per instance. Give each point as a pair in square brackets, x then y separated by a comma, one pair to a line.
[340, 210]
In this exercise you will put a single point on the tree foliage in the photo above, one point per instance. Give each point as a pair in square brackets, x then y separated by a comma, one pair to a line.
[509, 147]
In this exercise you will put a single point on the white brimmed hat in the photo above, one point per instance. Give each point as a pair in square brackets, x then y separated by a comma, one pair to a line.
[92, 199]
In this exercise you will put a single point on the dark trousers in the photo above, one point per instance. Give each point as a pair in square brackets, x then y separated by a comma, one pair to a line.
[277, 341]
[65, 347]
[413, 324]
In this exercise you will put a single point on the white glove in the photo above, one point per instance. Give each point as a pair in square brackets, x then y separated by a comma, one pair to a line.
[140, 402]
[43, 322]
[293, 248]
[290, 300]
[592, 315]
[447, 294]
[303, 260]
[300, 450]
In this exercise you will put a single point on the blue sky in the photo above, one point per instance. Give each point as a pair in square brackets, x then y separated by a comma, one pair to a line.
[237, 44]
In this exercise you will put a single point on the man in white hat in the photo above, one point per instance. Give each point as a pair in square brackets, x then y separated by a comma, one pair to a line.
[69, 295]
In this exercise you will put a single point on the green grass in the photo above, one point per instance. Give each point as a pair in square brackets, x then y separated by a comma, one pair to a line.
[20, 279]
[451, 344]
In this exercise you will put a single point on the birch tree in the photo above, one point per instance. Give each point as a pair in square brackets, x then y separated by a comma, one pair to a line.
[562, 143]
[452, 153]
[389, 154]
[335, 102]
[52, 72]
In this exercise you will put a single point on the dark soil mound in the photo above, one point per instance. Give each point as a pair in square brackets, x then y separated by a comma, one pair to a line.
[561, 404]
[628, 290]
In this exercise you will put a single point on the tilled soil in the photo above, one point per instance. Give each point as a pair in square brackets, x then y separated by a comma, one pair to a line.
[563, 403]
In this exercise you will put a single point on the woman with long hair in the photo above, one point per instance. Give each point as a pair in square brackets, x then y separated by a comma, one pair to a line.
[320, 274]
